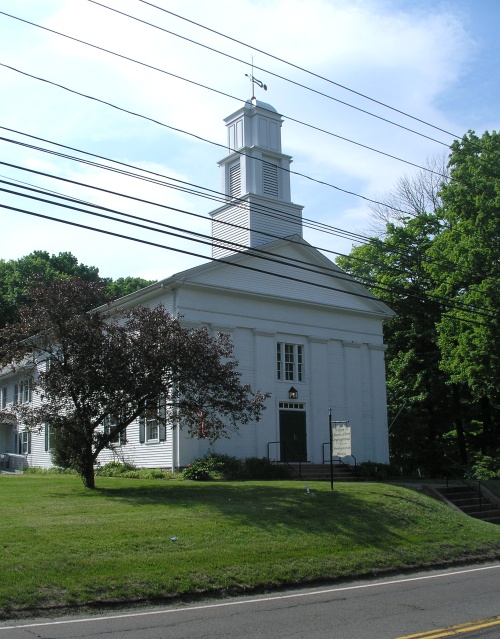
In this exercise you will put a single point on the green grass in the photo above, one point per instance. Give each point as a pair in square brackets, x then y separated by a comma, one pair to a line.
[63, 545]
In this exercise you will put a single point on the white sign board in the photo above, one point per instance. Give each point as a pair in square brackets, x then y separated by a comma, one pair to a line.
[341, 441]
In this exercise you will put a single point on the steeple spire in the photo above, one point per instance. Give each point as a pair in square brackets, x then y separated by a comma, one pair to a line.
[256, 181]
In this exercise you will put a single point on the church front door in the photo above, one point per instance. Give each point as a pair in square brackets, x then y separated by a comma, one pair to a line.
[293, 436]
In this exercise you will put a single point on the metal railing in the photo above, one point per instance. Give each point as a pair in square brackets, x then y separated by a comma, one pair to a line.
[286, 456]
[457, 471]
[336, 459]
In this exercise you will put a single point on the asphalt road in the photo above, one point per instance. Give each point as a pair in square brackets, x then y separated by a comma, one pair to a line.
[461, 602]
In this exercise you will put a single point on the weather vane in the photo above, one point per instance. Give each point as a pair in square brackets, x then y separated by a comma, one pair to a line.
[254, 82]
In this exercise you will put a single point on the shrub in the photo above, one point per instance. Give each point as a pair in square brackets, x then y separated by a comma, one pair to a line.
[485, 467]
[263, 468]
[375, 470]
[53, 470]
[129, 471]
[213, 466]
[115, 469]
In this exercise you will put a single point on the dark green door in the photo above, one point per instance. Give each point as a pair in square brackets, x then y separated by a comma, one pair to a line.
[293, 437]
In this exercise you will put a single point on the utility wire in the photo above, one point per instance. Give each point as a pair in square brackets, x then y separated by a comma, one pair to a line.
[254, 252]
[237, 202]
[198, 137]
[219, 242]
[267, 71]
[185, 252]
[183, 233]
[295, 66]
[209, 88]
[204, 239]
[216, 196]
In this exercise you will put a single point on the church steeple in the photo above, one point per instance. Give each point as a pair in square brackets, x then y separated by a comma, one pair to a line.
[256, 182]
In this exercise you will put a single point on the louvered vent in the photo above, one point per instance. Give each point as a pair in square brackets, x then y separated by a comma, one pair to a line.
[235, 181]
[270, 178]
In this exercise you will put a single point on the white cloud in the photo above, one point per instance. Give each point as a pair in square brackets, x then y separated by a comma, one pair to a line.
[395, 51]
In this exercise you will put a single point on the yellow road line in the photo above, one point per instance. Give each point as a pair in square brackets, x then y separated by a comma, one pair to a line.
[456, 630]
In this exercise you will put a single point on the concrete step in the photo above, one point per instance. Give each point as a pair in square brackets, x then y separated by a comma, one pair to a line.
[471, 504]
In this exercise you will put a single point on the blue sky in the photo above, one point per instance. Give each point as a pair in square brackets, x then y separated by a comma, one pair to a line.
[438, 61]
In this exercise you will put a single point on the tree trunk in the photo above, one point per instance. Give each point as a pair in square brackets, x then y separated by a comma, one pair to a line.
[88, 476]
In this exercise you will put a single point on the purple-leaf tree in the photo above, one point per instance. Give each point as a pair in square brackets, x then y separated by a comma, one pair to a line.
[95, 370]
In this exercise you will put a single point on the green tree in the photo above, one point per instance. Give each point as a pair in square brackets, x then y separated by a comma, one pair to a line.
[419, 399]
[98, 371]
[126, 285]
[17, 276]
[466, 261]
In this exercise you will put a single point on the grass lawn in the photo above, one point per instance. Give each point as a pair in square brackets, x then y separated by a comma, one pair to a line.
[64, 545]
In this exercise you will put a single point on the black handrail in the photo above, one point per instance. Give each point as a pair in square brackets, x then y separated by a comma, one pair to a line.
[338, 458]
[460, 477]
[285, 460]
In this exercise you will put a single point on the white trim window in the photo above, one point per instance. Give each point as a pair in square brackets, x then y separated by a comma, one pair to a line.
[290, 362]
[24, 442]
[152, 429]
[109, 423]
[22, 392]
[49, 435]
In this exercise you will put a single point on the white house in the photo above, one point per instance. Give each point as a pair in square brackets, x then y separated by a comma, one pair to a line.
[301, 328]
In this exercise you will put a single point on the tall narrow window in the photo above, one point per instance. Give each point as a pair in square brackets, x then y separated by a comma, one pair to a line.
[24, 442]
[290, 362]
[48, 437]
[152, 427]
[22, 392]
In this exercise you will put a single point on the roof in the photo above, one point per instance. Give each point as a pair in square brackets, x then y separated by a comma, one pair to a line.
[289, 268]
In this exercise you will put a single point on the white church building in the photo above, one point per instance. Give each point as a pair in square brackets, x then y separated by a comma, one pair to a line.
[301, 328]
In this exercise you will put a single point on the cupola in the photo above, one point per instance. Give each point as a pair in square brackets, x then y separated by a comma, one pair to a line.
[256, 183]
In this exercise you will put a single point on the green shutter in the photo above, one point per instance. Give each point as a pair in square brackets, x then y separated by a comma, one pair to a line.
[142, 430]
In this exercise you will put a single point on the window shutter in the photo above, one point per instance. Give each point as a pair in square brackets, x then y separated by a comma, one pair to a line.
[16, 394]
[20, 446]
[29, 443]
[46, 428]
[163, 432]
[142, 430]
[123, 437]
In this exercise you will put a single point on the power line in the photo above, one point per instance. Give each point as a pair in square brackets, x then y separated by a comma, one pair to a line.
[213, 195]
[209, 88]
[198, 137]
[254, 252]
[274, 57]
[272, 73]
[220, 243]
[223, 243]
[178, 250]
